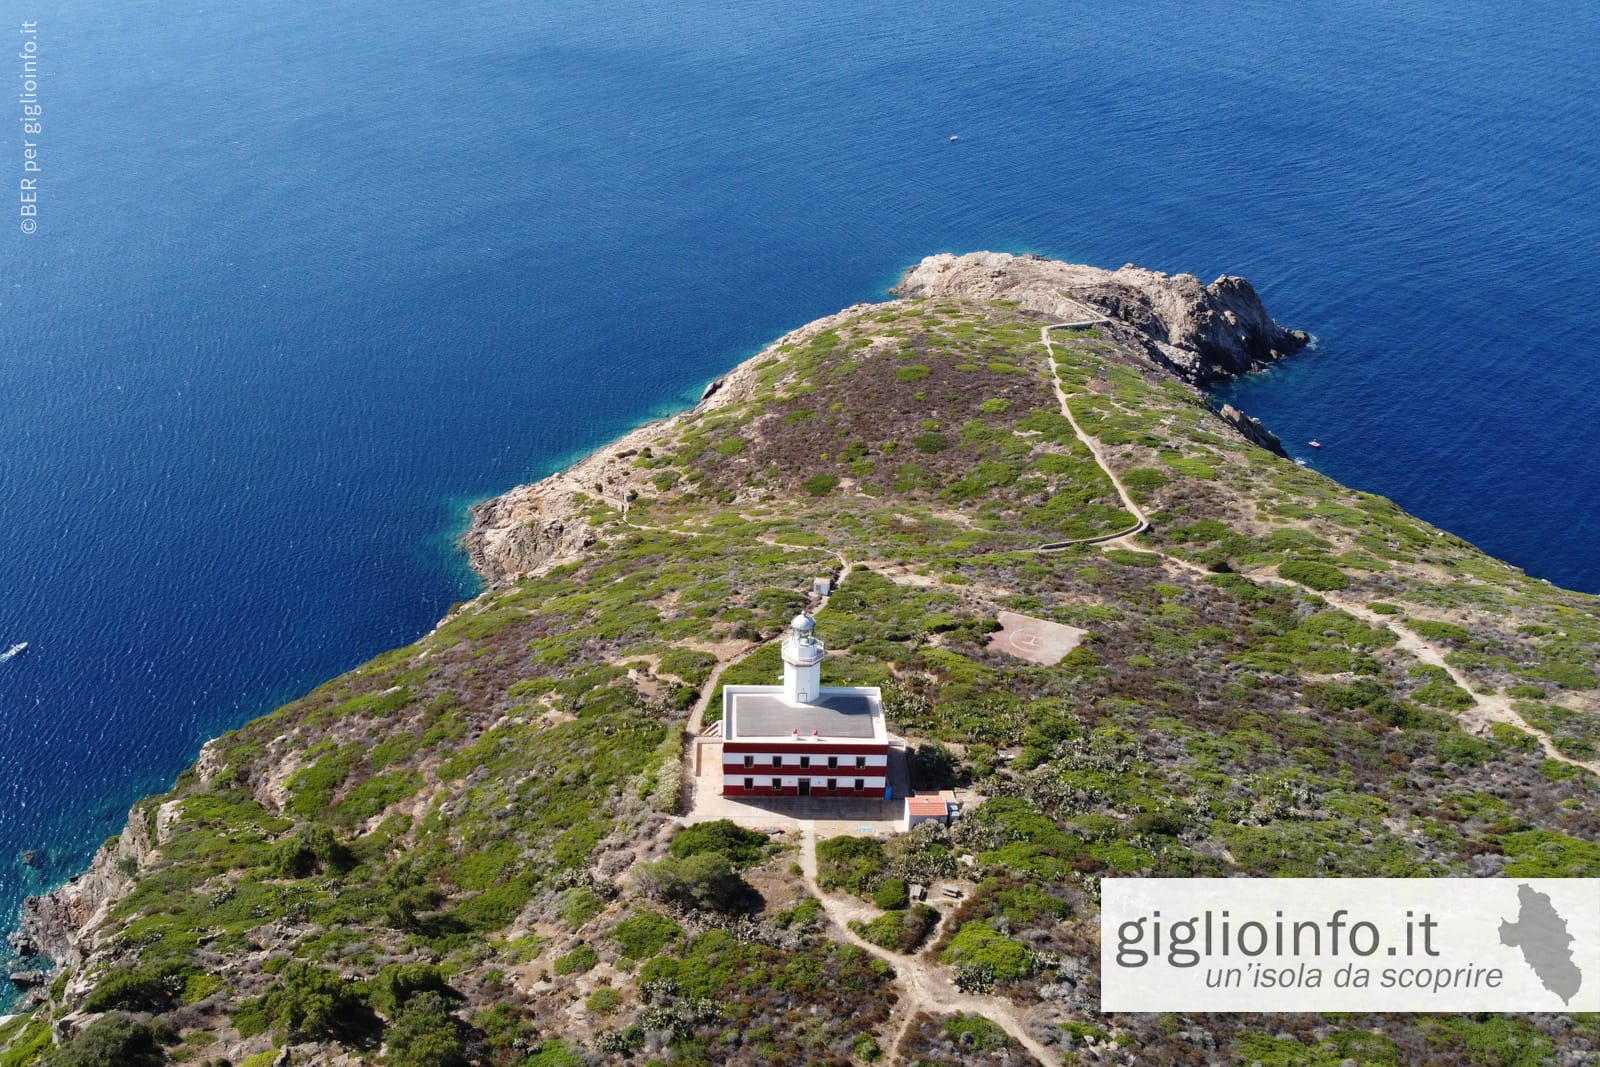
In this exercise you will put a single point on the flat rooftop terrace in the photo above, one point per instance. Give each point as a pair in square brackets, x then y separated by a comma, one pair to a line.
[761, 712]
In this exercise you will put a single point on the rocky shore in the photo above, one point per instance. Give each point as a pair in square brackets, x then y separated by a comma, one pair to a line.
[535, 527]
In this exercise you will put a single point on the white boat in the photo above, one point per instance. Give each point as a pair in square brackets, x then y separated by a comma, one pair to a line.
[19, 647]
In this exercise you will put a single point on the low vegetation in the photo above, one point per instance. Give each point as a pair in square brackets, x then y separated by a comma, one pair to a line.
[461, 852]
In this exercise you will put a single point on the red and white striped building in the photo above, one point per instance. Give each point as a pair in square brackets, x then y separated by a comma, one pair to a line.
[802, 738]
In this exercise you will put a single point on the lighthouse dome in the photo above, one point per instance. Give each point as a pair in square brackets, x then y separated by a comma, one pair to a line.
[803, 622]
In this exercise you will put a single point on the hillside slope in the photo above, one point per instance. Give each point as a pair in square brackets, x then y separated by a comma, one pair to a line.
[468, 850]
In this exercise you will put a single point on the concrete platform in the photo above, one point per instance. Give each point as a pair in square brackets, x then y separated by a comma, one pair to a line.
[1035, 640]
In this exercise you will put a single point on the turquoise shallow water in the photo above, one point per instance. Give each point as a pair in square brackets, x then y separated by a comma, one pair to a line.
[309, 278]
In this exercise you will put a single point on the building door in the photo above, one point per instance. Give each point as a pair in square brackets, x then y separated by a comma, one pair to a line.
[805, 787]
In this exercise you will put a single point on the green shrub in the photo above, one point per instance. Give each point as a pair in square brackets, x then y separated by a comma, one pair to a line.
[578, 905]
[899, 931]
[1142, 481]
[580, 959]
[1439, 631]
[979, 945]
[892, 894]
[807, 910]
[603, 1001]
[704, 881]
[1547, 854]
[820, 484]
[113, 1039]
[314, 847]
[1323, 577]
[197, 987]
[310, 1003]
[396, 984]
[645, 934]
[742, 847]
[931, 442]
[136, 990]
[556, 1053]
[852, 863]
[1438, 690]
[974, 1031]
[426, 1034]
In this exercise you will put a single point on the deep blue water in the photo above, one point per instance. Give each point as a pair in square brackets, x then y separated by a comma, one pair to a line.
[309, 278]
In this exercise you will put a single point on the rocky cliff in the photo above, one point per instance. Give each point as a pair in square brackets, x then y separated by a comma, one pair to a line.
[57, 924]
[1202, 332]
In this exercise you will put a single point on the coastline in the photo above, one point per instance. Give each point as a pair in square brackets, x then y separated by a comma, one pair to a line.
[1201, 334]
[1197, 333]
[535, 527]
[1113, 373]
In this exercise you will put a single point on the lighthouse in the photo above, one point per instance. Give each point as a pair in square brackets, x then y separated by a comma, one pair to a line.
[802, 661]
[800, 739]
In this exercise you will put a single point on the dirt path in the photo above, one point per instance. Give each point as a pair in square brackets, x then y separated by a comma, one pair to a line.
[927, 987]
[1141, 521]
[1486, 708]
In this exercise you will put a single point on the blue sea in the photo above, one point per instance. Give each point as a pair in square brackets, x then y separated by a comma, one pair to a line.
[310, 278]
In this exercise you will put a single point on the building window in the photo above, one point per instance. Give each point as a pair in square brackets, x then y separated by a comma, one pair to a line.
[861, 761]
[861, 783]
[777, 761]
[805, 761]
[749, 783]
[749, 761]
[833, 783]
[777, 783]
[833, 761]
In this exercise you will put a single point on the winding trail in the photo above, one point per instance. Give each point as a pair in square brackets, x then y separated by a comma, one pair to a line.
[1486, 707]
[927, 986]
[1141, 521]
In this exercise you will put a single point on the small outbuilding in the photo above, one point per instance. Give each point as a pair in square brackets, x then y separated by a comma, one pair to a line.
[939, 807]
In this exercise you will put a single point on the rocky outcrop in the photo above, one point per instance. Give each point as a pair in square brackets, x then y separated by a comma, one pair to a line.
[60, 923]
[1249, 427]
[1201, 332]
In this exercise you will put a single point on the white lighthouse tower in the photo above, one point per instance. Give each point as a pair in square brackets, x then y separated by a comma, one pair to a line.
[802, 661]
